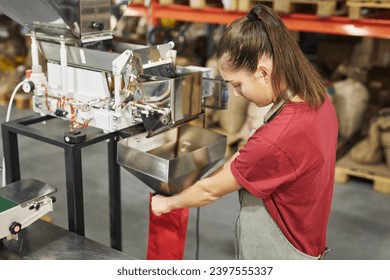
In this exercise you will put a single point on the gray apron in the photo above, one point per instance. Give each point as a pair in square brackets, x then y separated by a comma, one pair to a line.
[258, 237]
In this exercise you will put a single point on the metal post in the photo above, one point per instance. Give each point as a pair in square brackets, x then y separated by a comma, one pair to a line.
[114, 195]
[74, 186]
[11, 155]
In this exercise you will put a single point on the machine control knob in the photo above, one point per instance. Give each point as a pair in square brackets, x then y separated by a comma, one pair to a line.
[98, 25]
[15, 228]
[74, 137]
[28, 86]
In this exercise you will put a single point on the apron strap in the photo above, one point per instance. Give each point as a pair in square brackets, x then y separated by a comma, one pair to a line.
[277, 107]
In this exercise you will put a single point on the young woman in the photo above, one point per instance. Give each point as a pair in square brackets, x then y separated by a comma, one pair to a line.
[285, 172]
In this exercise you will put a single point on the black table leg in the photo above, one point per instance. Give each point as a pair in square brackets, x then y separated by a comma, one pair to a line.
[11, 155]
[74, 187]
[114, 195]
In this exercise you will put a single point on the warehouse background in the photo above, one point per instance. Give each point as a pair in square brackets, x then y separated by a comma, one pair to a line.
[358, 227]
[356, 70]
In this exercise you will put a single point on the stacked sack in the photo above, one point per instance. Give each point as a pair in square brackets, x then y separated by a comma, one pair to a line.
[376, 146]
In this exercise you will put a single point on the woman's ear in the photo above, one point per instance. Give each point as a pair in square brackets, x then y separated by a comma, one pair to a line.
[262, 73]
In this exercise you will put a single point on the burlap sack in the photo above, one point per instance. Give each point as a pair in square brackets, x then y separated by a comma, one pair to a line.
[254, 119]
[368, 151]
[385, 141]
[350, 102]
[232, 119]
[384, 126]
[376, 146]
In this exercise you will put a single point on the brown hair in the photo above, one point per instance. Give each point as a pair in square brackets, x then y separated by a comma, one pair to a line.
[262, 32]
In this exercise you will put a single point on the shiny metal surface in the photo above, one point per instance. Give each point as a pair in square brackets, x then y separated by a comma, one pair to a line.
[26, 190]
[31, 200]
[172, 161]
[45, 241]
[182, 94]
[186, 95]
[102, 60]
[70, 18]
[216, 94]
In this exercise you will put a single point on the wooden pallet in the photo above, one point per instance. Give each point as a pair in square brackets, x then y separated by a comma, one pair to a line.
[324, 8]
[169, 2]
[378, 173]
[197, 4]
[230, 5]
[368, 1]
[246, 5]
[355, 7]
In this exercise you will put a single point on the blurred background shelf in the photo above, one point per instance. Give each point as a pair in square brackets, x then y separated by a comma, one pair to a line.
[340, 25]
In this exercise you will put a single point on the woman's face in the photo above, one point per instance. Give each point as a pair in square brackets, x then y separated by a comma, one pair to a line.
[256, 87]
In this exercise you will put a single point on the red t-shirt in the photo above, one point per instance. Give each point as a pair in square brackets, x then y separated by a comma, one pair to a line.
[289, 163]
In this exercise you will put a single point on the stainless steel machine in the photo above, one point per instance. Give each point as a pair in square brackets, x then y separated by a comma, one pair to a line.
[90, 80]
[22, 203]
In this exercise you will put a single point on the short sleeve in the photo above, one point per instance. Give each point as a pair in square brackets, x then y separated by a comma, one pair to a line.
[262, 167]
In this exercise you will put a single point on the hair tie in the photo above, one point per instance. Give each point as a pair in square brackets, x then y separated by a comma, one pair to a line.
[252, 15]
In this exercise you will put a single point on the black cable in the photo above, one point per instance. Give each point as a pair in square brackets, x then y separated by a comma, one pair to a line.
[198, 208]
[197, 233]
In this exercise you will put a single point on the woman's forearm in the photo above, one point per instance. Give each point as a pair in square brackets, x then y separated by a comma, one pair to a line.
[201, 193]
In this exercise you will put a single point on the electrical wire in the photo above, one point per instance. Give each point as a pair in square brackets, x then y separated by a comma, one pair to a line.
[11, 100]
[197, 233]
[198, 208]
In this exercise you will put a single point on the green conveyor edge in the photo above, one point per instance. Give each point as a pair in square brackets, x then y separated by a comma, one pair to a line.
[6, 204]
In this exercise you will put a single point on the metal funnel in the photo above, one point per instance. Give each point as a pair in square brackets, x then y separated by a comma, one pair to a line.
[172, 161]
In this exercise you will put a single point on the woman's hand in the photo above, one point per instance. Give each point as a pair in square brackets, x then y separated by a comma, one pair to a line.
[160, 205]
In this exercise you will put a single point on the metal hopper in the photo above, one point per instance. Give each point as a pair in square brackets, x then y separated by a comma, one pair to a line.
[172, 161]
[88, 20]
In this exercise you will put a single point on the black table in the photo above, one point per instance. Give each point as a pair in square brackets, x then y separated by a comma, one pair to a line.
[34, 127]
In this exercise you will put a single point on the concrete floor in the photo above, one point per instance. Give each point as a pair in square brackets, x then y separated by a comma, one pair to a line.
[359, 226]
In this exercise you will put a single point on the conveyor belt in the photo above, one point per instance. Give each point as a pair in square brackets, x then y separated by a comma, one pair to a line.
[6, 204]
